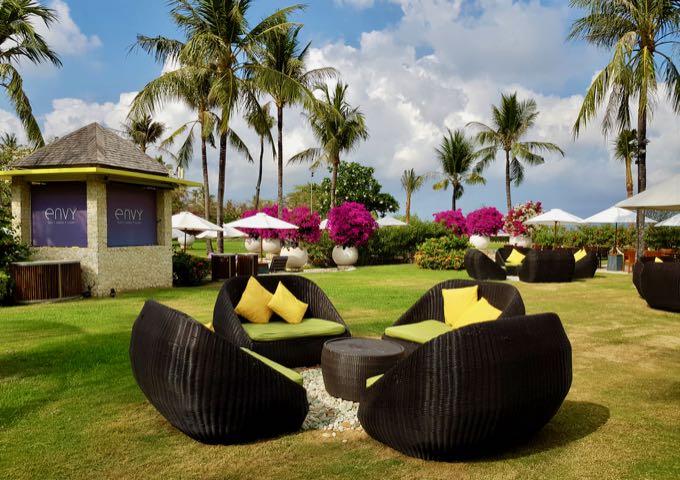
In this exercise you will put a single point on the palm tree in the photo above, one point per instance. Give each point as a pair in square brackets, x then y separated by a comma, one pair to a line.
[625, 147]
[411, 183]
[337, 126]
[281, 53]
[259, 119]
[457, 157]
[19, 41]
[511, 121]
[144, 131]
[643, 35]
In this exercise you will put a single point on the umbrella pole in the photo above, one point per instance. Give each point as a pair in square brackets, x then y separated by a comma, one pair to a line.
[185, 241]
[616, 244]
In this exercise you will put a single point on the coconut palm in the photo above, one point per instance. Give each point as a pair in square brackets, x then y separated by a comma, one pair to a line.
[625, 147]
[411, 183]
[337, 126]
[259, 119]
[19, 41]
[281, 52]
[643, 37]
[511, 121]
[457, 157]
[144, 131]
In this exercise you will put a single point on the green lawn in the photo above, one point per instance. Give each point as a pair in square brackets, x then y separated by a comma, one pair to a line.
[69, 407]
[231, 245]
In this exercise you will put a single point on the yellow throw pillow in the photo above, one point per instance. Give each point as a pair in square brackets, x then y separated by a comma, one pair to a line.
[482, 311]
[456, 301]
[253, 304]
[286, 306]
[210, 326]
[658, 260]
[515, 257]
[580, 254]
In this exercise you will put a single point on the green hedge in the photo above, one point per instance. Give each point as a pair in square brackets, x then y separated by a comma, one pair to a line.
[444, 253]
[662, 237]
[584, 236]
[188, 270]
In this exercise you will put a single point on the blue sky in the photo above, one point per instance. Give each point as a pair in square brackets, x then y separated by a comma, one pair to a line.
[415, 67]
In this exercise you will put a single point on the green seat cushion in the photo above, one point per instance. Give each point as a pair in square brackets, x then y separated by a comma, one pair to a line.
[512, 264]
[371, 380]
[309, 327]
[421, 332]
[285, 371]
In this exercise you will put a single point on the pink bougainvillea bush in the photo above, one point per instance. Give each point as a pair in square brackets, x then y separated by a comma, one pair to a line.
[350, 224]
[453, 219]
[514, 220]
[486, 221]
[308, 223]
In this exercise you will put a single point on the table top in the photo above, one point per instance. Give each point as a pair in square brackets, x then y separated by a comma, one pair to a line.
[368, 347]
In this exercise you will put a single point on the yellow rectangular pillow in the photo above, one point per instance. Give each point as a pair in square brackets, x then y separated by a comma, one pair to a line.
[658, 260]
[515, 258]
[580, 254]
[253, 304]
[456, 301]
[287, 306]
[482, 311]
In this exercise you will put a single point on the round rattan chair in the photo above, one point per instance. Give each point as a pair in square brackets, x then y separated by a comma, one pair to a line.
[481, 267]
[473, 391]
[504, 252]
[297, 352]
[660, 285]
[547, 266]
[206, 387]
[587, 266]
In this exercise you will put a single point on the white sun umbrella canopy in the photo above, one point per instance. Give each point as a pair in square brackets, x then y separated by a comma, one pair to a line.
[187, 222]
[324, 224]
[674, 221]
[390, 222]
[554, 217]
[228, 232]
[614, 215]
[663, 196]
[262, 221]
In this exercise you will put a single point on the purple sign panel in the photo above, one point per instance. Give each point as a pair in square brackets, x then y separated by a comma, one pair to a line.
[131, 215]
[59, 214]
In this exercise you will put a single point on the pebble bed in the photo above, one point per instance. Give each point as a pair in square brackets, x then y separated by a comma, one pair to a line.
[327, 412]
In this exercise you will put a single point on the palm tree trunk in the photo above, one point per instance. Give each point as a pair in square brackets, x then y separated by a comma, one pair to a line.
[259, 176]
[629, 177]
[279, 200]
[408, 207]
[206, 189]
[334, 179]
[221, 177]
[642, 174]
[453, 196]
[508, 197]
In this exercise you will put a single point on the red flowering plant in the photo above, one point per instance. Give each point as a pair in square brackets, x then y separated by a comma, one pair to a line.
[514, 220]
[265, 233]
[486, 221]
[454, 221]
[350, 224]
[308, 226]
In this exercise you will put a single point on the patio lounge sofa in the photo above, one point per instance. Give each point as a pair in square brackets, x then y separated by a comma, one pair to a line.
[547, 266]
[431, 307]
[475, 390]
[504, 252]
[481, 267]
[211, 390]
[587, 266]
[659, 284]
[289, 345]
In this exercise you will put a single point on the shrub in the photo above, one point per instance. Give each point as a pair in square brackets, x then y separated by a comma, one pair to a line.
[453, 219]
[584, 236]
[11, 249]
[485, 221]
[308, 223]
[662, 237]
[188, 270]
[5, 286]
[444, 253]
[514, 220]
[398, 244]
[321, 252]
[350, 224]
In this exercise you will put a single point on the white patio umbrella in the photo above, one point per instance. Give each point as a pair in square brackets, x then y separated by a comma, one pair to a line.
[229, 232]
[390, 222]
[175, 233]
[663, 196]
[187, 222]
[324, 224]
[554, 217]
[674, 221]
[616, 216]
[262, 221]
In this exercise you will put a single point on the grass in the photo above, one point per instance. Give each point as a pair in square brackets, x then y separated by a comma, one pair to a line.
[231, 245]
[69, 407]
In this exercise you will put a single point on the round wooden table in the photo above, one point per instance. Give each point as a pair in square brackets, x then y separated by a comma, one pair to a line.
[346, 363]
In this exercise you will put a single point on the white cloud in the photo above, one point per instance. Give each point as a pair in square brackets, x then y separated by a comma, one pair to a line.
[360, 4]
[64, 35]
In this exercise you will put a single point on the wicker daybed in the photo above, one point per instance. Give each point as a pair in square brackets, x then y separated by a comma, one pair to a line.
[659, 284]
[293, 352]
[547, 266]
[504, 252]
[206, 387]
[481, 267]
[587, 266]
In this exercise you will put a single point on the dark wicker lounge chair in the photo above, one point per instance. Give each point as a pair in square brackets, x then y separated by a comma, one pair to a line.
[473, 391]
[639, 265]
[587, 266]
[481, 267]
[298, 352]
[431, 305]
[278, 264]
[206, 387]
[504, 252]
[660, 285]
[547, 266]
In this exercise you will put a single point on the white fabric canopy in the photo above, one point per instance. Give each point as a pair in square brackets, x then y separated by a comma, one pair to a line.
[663, 196]
[554, 216]
[324, 224]
[262, 221]
[614, 215]
[188, 222]
[229, 232]
[390, 222]
[176, 233]
[674, 221]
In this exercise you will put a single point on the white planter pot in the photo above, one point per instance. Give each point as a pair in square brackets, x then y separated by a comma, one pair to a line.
[480, 242]
[521, 241]
[252, 245]
[189, 241]
[271, 245]
[297, 257]
[345, 256]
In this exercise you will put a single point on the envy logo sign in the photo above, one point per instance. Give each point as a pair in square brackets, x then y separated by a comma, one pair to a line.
[128, 215]
[60, 215]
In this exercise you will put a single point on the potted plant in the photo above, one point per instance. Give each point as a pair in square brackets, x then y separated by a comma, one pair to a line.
[454, 220]
[520, 234]
[482, 224]
[350, 225]
[297, 240]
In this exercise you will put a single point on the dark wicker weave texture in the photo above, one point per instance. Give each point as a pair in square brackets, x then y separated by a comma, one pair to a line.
[547, 266]
[587, 266]
[299, 352]
[639, 265]
[473, 391]
[481, 267]
[504, 252]
[206, 387]
[660, 285]
[246, 264]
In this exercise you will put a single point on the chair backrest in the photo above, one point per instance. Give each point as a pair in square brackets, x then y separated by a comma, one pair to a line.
[278, 264]
[547, 266]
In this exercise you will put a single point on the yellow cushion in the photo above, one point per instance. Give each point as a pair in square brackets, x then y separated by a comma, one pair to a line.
[580, 254]
[253, 304]
[285, 371]
[371, 380]
[286, 306]
[210, 327]
[456, 301]
[515, 258]
[658, 260]
[482, 311]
